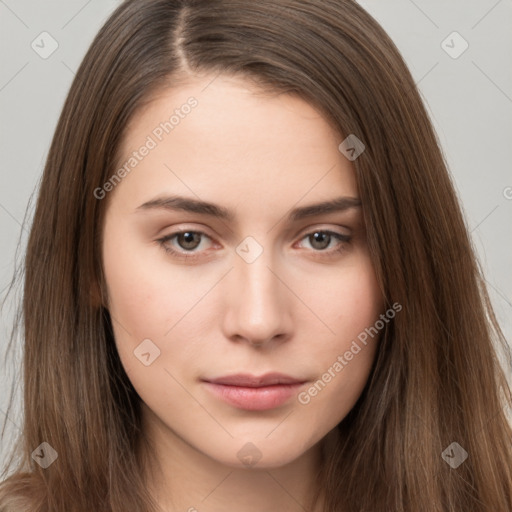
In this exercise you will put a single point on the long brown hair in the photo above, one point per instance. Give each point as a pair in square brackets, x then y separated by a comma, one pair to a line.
[436, 379]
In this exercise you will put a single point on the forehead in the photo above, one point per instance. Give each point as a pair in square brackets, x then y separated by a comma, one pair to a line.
[223, 138]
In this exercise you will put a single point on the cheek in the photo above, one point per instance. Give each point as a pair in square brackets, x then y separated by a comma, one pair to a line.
[351, 307]
[156, 302]
[347, 301]
[147, 295]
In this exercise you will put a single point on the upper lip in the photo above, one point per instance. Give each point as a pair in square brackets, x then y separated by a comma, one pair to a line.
[253, 381]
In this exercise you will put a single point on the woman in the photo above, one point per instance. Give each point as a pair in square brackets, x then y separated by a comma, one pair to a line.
[257, 368]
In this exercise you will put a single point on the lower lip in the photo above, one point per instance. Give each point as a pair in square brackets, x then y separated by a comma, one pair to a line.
[255, 399]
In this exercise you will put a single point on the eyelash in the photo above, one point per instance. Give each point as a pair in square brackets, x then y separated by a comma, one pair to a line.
[344, 239]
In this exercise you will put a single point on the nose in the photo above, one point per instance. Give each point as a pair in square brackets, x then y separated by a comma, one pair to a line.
[257, 303]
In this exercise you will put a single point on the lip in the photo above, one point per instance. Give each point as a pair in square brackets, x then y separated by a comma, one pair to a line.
[255, 393]
[252, 381]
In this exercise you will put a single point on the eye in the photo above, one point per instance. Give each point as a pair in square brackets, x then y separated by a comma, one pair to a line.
[320, 240]
[188, 241]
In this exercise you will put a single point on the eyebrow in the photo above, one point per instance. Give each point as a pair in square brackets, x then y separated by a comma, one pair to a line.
[186, 204]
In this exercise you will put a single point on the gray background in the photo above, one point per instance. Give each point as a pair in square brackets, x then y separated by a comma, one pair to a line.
[469, 99]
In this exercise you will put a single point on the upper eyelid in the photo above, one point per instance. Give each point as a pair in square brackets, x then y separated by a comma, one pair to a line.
[307, 229]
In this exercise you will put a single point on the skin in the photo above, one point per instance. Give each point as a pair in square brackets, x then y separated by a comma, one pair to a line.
[293, 309]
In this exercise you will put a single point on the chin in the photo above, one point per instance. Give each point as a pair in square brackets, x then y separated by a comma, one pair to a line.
[262, 454]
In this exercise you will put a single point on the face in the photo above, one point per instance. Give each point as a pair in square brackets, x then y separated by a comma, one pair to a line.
[239, 322]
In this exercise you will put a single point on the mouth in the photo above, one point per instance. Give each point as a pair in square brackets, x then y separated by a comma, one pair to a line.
[253, 393]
